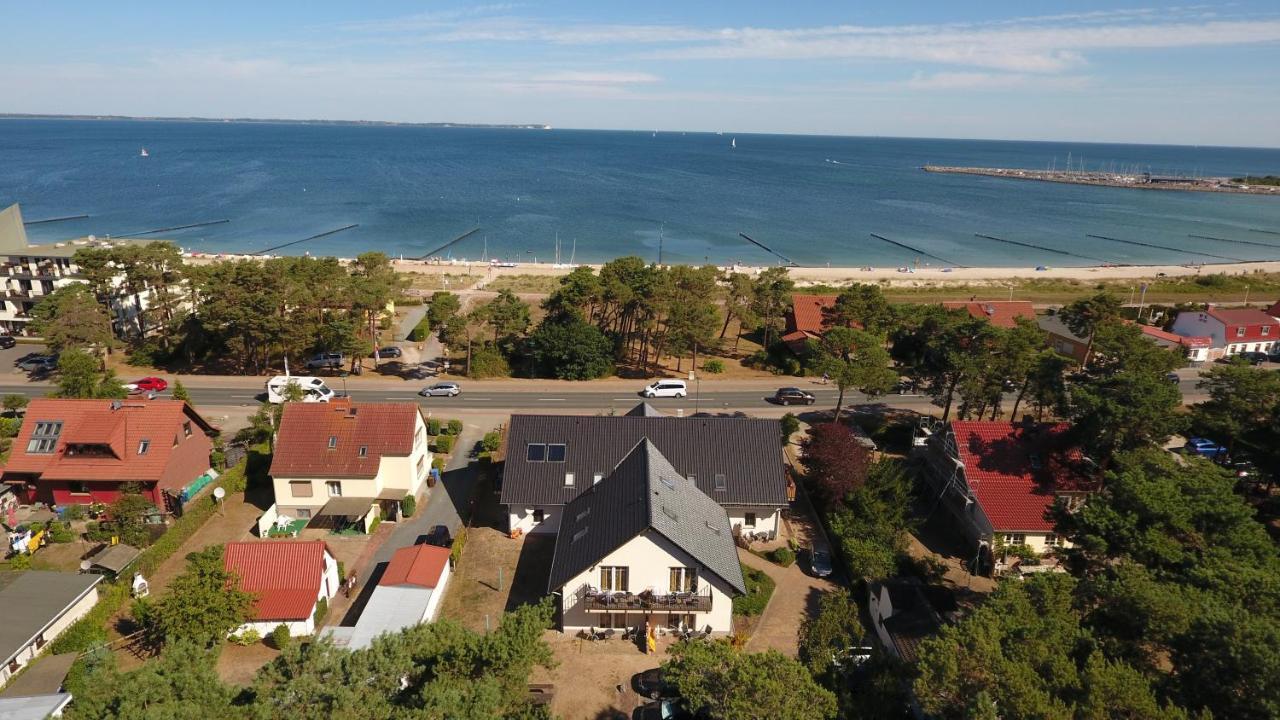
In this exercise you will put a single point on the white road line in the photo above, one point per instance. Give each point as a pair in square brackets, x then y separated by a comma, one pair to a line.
[628, 399]
[251, 397]
[552, 400]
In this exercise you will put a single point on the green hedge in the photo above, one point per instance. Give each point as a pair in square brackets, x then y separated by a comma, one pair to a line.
[759, 590]
[421, 330]
[444, 444]
[455, 552]
[783, 556]
[455, 427]
[408, 506]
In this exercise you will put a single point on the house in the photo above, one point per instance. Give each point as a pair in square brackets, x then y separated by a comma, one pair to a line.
[999, 481]
[1062, 340]
[1066, 342]
[408, 593]
[30, 272]
[289, 579]
[1194, 347]
[78, 452]
[1230, 331]
[38, 606]
[806, 319]
[34, 707]
[1001, 313]
[344, 463]
[551, 459]
[904, 614]
[645, 546]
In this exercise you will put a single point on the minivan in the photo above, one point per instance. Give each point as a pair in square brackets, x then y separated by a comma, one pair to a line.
[666, 388]
[313, 388]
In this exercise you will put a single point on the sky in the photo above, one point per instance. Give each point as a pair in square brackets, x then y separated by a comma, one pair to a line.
[1205, 74]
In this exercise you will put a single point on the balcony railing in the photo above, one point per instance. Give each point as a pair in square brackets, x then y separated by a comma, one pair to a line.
[682, 602]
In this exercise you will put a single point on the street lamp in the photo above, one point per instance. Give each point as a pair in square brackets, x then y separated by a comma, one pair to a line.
[697, 391]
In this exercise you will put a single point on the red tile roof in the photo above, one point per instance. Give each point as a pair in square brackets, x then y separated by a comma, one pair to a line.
[302, 444]
[421, 565]
[1251, 319]
[1001, 313]
[284, 575]
[808, 312]
[1015, 470]
[1186, 341]
[119, 430]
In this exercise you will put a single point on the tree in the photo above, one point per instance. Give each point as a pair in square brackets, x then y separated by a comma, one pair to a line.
[1086, 315]
[835, 462]
[78, 374]
[738, 296]
[1018, 360]
[71, 317]
[790, 424]
[508, 315]
[182, 683]
[732, 684]
[203, 604]
[129, 514]
[1241, 398]
[772, 296]
[835, 628]
[577, 297]
[862, 306]
[1046, 384]
[944, 349]
[570, 350]
[871, 526]
[855, 360]
[13, 402]
[442, 307]
[180, 392]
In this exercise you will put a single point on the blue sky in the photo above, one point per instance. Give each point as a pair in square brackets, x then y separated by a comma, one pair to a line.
[1087, 70]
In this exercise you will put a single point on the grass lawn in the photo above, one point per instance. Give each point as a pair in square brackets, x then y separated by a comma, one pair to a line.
[544, 284]
[759, 589]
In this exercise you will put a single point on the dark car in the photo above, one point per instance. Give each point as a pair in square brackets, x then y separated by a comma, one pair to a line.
[665, 709]
[439, 536]
[7, 341]
[1254, 358]
[651, 685]
[820, 562]
[793, 396]
[391, 351]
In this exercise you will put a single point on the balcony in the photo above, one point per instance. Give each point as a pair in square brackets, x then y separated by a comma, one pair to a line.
[683, 602]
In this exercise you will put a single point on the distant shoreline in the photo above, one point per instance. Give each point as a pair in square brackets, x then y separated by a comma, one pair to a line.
[1135, 181]
[279, 121]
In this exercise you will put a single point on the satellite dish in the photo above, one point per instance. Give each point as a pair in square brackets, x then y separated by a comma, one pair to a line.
[219, 493]
[85, 565]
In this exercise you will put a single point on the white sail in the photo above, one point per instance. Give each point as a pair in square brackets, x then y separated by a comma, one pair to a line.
[733, 143]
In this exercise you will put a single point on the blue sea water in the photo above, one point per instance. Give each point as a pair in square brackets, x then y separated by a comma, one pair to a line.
[815, 200]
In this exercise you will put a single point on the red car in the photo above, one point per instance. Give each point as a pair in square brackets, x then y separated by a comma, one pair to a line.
[148, 384]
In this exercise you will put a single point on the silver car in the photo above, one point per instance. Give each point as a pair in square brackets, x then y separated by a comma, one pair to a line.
[447, 389]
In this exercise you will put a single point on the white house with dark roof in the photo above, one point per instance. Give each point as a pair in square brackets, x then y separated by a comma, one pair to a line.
[39, 606]
[552, 459]
[645, 546]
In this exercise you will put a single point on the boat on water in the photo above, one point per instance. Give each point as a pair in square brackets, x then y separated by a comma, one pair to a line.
[144, 153]
[733, 144]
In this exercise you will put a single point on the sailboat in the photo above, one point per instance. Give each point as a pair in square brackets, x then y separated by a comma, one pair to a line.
[144, 153]
[733, 144]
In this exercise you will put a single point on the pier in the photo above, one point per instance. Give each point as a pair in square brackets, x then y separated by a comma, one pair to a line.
[1141, 181]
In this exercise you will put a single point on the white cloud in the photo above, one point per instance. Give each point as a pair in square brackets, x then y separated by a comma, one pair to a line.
[991, 81]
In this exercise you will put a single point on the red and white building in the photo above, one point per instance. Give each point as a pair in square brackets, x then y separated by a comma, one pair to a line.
[1230, 331]
[806, 320]
[78, 452]
[408, 594]
[288, 579]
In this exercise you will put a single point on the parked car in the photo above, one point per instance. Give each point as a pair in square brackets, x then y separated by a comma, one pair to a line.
[665, 388]
[666, 709]
[7, 341]
[1173, 378]
[819, 562]
[446, 389]
[439, 536]
[40, 363]
[651, 685]
[148, 384]
[28, 356]
[1204, 447]
[793, 396]
[391, 351]
[325, 360]
[1254, 358]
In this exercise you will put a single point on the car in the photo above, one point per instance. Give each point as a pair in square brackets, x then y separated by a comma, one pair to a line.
[665, 388]
[325, 360]
[1204, 447]
[651, 685]
[439, 536]
[28, 356]
[40, 363]
[7, 341]
[665, 709]
[1172, 377]
[793, 396]
[391, 351]
[148, 384]
[1254, 358]
[819, 562]
[446, 389]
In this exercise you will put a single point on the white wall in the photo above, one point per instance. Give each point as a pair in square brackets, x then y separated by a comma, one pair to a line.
[298, 627]
[1036, 541]
[767, 519]
[649, 557]
[433, 604]
[74, 613]
[521, 518]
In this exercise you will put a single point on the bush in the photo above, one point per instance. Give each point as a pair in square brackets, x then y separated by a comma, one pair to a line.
[759, 590]
[73, 512]
[421, 330]
[248, 637]
[492, 441]
[487, 362]
[280, 637]
[9, 427]
[455, 552]
[60, 532]
[444, 444]
[322, 609]
[782, 556]
[408, 506]
[790, 424]
[455, 427]
[21, 561]
[437, 463]
[234, 480]
[433, 426]
[715, 367]
[373, 526]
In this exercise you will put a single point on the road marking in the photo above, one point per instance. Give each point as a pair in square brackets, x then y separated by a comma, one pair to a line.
[251, 397]
[628, 399]
[552, 400]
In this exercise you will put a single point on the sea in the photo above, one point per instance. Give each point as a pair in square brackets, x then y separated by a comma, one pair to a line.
[543, 195]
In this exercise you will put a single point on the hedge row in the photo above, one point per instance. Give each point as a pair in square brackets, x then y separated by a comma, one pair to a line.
[90, 630]
[759, 590]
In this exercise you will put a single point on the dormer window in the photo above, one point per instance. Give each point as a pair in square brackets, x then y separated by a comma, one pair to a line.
[364, 451]
[720, 481]
[333, 441]
[1240, 331]
[186, 429]
[143, 446]
[568, 479]
[597, 478]
[1266, 330]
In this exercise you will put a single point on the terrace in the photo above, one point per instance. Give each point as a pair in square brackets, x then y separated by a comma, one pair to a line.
[681, 602]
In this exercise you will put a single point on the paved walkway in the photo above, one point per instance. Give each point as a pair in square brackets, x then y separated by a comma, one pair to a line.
[794, 599]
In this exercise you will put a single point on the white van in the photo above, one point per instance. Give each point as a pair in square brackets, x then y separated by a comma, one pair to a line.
[313, 388]
[666, 388]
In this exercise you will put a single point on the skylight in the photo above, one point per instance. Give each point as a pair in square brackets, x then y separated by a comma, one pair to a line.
[670, 513]
[555, 453]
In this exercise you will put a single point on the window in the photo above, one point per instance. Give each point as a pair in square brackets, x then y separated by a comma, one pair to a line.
[44, 437]
[300, 488]
[720, 481]
[302, 514]
[555, 453]
[186, 429]
[1240, 331]
[676, 622]
[1015, 539]
[597, 478]
[143, 446]
[1051, 540]
[568, 479]
[583, 515]
[333, 441]
[613, 578]
[750, 520]
[693, 479]
[422, 467]
[78, 488]
[419, 437]
[539, 515]
[335, 488]
[1266, 330]
[537, 452]
[364, 451]
[684, 579]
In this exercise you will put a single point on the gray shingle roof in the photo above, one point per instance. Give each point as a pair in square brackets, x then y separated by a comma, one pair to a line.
[644, 492]
[33, 601]
[745, 450]
[644, 409]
